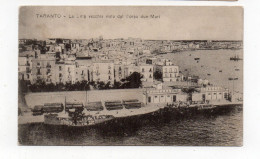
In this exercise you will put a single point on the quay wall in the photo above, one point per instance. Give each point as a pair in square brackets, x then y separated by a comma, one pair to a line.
[40, 98]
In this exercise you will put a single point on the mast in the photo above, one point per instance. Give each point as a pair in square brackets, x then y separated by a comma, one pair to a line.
[65, 105]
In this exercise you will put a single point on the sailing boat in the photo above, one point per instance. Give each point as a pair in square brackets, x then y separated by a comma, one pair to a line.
[235, 58]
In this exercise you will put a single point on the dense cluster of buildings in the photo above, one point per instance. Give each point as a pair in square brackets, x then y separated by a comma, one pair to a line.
[69, 61]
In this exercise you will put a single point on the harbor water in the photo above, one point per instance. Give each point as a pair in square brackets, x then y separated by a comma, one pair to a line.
[223, 129]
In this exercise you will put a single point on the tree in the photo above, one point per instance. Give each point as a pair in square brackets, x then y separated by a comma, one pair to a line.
[157, 75]
[189, 91]
[107, 85]
[117, 85]
[99, 85]
[133, 81]
[84, 85]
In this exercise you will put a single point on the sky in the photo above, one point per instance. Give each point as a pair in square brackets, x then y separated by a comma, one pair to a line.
[175, 23]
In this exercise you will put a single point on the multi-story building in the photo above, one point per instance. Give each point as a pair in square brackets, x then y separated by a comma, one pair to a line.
[60, 70]
[147, 72]
[170, 72]
[69, 72]
[164, 95]
[119, 71]
[83, 69]
[103, 71]
[129, 69]
[44, 69]
[25, 67]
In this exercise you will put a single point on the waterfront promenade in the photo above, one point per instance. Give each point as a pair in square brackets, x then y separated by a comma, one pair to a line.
[40, 98]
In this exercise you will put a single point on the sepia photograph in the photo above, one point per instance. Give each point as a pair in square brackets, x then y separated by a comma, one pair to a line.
[130, 76]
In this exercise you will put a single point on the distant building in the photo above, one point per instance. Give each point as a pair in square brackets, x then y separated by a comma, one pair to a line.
[103, 71]
[166, 95]
[25, 67]
[69, 72]
[83, 69]
[59, 69]
[131, 68]
[43, 69]
[147, 72]
[170, 72]
[119, 71]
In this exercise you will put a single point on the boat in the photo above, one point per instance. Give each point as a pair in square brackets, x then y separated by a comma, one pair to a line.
[235, 58]
[37, 110]
[236, 69]
[76, 121]
[196, 58]
[220, 70]
[132, 104]
[113, 105]
[47, 108]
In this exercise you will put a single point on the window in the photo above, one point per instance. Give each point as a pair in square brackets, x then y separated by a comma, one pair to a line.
[165, 69]
[48, 70]
[142, 69]
[170, 69]
[27, 70]
[150, 76]
[170, 75]
[120, 69]
[38, 71]
[149, 99]
[60, 75]
[150, 70]
[38, 63]
[109, 77]
[28, 76]
[175, 70]
[59, 68]
[82, 72]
